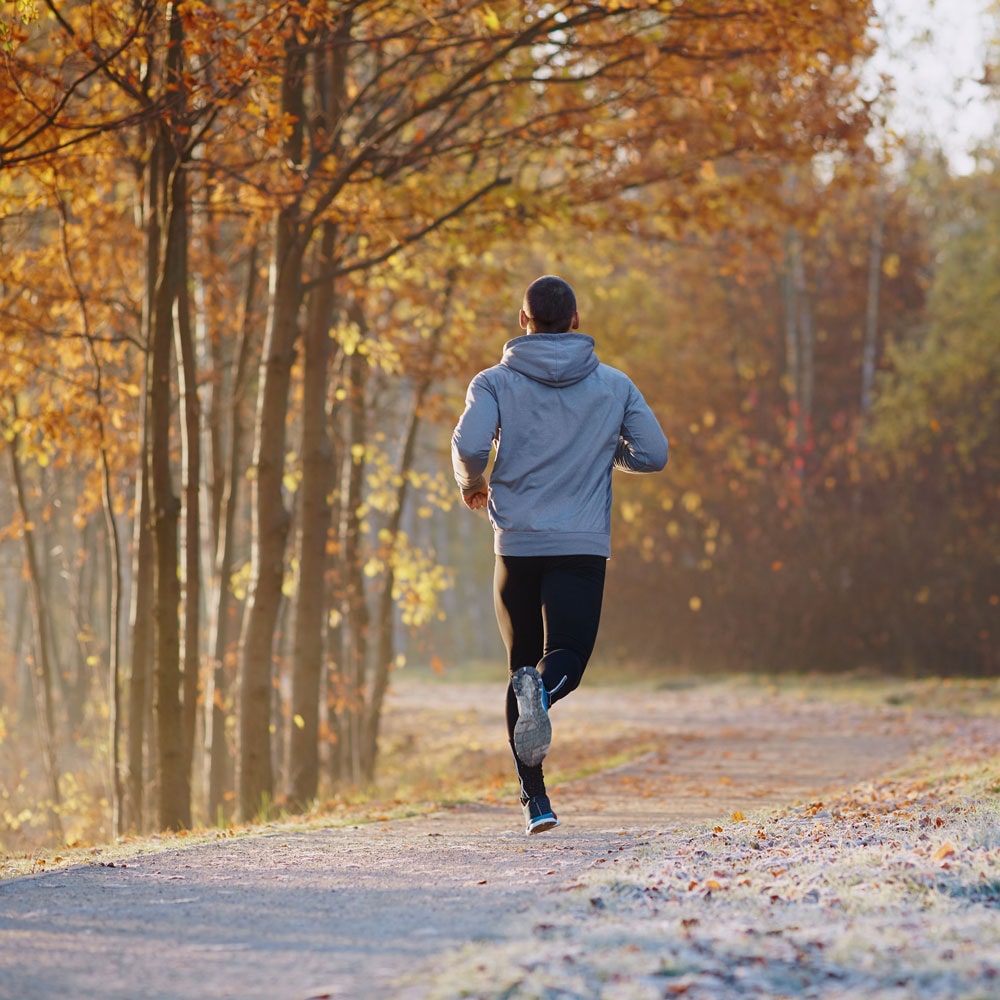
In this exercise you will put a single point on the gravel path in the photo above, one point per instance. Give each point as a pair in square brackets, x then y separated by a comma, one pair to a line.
[359, 911]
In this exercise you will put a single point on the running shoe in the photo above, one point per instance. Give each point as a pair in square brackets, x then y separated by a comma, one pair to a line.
[533, 730]
[538, 815]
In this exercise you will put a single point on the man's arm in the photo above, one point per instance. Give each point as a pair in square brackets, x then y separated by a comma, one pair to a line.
[472, 442]
[642, 445]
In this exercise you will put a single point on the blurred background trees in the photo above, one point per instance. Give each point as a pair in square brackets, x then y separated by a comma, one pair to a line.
[253, 252]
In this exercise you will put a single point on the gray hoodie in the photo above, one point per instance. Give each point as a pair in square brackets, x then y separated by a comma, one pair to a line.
[561, 421]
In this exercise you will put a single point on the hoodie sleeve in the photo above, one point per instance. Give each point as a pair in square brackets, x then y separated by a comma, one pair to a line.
[642, 445]
[473, 438]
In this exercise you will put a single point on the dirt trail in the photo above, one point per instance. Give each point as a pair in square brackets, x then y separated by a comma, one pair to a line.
[356, 912]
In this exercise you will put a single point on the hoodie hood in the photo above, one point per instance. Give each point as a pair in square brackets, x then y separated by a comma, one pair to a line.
[555, 359]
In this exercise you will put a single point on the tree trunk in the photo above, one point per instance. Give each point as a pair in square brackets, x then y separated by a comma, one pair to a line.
[270, 518]
[869, 348]
[270, 524]
[356, 618]
[114, 563]
[385, 617]
[174, 791]
[43, 669]
[191, 488]
[227, 623]
[333, 694]
[807, 342]
[174, 781]
[114, 646]
[140, 623]
[799, 347]
[318, 466]
[143, 592]
[314, 493]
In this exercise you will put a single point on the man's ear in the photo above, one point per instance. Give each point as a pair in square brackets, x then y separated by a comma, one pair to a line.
[522, 318]
[575, 322]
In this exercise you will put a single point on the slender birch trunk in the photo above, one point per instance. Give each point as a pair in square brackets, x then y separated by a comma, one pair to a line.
[356, 617]
[43, 669]
[114, 568]
[870, 345]
[191, 489]
[227, 617]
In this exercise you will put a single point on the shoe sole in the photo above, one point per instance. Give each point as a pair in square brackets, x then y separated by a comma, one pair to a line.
[542, 824]
[533, 729]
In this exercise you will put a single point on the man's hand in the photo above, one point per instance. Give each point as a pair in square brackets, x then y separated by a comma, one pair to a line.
[477, 500]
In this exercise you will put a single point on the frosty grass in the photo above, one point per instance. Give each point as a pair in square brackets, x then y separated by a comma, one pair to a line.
[891, 890]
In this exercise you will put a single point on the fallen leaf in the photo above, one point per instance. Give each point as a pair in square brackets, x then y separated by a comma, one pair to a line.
[946, 850]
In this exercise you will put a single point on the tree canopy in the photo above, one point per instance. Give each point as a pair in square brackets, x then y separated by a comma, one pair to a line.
[255, 250]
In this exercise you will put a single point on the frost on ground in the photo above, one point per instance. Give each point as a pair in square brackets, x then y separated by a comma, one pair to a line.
[890, 890]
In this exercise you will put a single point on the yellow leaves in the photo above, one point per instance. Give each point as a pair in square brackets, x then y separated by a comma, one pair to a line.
[383, 353]
[691, 501]
[298, 721]
[239, 581]
[490, 19]
[891, 265]
[694, 603]
[25, 11]
[349, 336]
[631, 511]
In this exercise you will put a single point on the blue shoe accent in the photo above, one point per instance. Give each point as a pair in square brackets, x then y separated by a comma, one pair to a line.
[533, 730]
[538, 815]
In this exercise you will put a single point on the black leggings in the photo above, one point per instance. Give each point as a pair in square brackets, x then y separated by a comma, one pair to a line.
[548, 609]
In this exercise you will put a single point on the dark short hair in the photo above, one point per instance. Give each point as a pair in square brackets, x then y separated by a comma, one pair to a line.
[550, 304]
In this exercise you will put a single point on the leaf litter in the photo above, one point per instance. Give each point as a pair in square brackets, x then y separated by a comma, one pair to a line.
[664, 881]
[890, 889]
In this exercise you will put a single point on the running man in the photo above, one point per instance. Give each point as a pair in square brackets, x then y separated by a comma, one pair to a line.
[560, 422]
